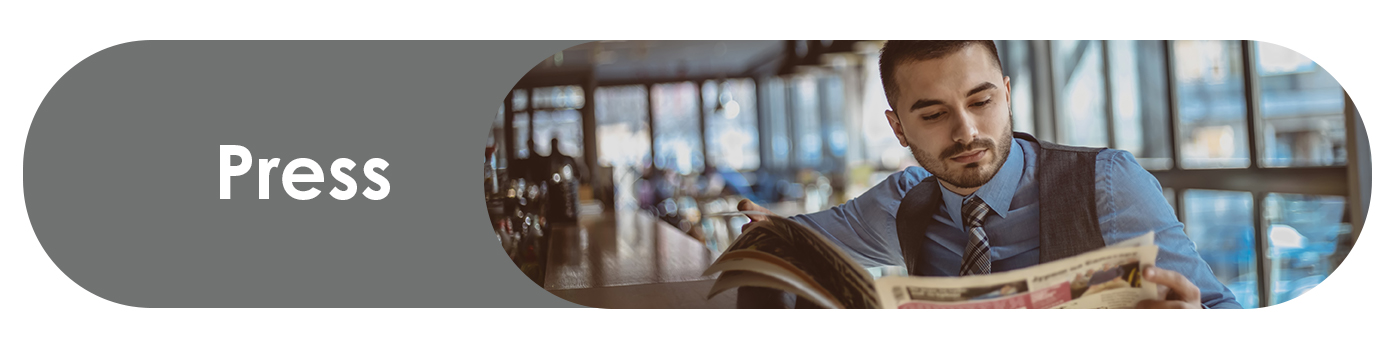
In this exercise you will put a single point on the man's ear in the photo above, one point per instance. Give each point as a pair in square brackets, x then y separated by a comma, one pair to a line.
[896, 126]
[1007, 81]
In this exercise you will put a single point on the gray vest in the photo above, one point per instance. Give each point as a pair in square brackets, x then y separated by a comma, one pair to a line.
[1069, 220]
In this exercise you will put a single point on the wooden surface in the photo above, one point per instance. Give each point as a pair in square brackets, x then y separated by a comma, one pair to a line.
[629, 260]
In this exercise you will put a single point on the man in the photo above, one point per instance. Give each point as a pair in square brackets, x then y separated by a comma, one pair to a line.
[562, 178]
[984, 201]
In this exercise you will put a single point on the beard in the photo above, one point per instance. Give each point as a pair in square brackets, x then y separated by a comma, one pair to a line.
[970, 175]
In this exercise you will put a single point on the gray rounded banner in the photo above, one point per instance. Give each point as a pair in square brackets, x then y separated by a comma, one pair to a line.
[119, 175]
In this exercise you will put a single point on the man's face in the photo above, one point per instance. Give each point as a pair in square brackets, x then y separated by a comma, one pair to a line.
[954, 114]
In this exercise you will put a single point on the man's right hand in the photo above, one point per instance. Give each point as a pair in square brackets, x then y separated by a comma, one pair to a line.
[748, 205]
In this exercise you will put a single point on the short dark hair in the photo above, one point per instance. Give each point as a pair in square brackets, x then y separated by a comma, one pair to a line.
[898, 52]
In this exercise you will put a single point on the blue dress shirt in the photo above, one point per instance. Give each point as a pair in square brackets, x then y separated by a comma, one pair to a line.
[1130, 203]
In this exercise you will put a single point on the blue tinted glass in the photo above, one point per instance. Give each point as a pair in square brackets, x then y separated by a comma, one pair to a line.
[676, 111]
[1219, 222]
[1303, 232]
[1017, 62]
[1210, 104]
[1080, 105]
[1138, 81]
[1302, 109]
[806, 121]
[777, 123]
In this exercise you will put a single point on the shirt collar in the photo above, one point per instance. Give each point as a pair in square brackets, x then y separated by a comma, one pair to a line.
[997, 193]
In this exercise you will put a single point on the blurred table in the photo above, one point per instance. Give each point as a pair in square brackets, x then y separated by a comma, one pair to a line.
[671, 295]
[629, 260]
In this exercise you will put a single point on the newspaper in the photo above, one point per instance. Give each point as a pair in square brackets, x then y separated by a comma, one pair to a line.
[784, 255]
[1109, 277]
[781, 254]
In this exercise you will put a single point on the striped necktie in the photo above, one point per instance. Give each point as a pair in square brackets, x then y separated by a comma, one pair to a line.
[977, 258]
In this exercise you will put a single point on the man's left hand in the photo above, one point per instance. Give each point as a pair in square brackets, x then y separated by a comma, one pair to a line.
[1174, 290]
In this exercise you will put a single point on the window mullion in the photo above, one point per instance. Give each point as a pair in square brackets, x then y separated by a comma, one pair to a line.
[1107, 95]
[1261, 249]
[1046, 121]
[1252, 122]
[1173, 118]
[1251, 96]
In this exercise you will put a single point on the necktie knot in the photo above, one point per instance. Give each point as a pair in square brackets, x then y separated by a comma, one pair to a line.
[974, 211]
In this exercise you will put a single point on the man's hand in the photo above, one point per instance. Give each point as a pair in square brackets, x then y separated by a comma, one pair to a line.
[748, 205]
[1174, 290]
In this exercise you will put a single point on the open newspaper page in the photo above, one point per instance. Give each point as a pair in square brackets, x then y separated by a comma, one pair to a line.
[1109, 277]
[782, 254]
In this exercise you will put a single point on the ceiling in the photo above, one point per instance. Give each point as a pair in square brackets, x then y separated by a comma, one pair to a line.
[627, 61]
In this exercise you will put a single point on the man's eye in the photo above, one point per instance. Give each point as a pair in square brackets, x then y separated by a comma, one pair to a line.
[933, 116]
[982, 103]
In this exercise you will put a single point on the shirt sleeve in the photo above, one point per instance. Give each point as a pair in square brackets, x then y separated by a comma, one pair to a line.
[1130, 203]
[864, 227]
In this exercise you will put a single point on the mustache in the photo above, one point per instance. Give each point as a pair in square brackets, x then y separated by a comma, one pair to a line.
[963, 148]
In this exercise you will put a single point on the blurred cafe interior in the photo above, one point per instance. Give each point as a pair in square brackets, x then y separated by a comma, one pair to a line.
[613, 168]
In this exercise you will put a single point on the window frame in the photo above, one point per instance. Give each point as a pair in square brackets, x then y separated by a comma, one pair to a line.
[1256, 179]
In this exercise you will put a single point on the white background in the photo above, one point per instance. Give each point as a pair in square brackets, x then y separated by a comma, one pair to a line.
[43, 310]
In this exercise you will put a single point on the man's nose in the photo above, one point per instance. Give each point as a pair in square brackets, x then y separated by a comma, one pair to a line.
[964, 127]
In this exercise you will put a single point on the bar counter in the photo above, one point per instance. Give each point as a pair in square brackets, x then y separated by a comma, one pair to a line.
[629, 259]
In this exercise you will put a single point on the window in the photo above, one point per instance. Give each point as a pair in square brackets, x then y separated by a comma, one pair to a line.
[776, 122]
[566, 125]
[806, 121]
[1080, 104]
[1170, 194]
[1017, 62]
[731, 123]
[520, 100]
[521, 124]
[1303, 231]
[556, 117]
[1302, 109]
[832, 100]
[1138, 82]
[676, 112]
[882, 148]
[1249, 141]
[1219, 222]
[561, 97]
[1211, 104]
[1268, 234]
[623, 138]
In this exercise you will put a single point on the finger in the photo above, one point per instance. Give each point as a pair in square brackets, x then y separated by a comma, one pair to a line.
[748, 205]
[1163, 291]
[1162, 304]
[1179, 284]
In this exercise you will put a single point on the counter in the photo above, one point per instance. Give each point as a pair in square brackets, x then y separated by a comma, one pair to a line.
[629, 260]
